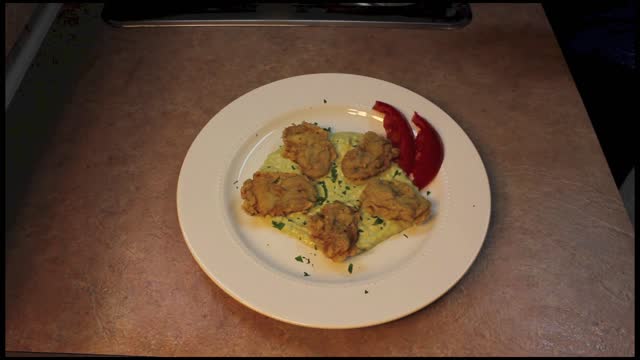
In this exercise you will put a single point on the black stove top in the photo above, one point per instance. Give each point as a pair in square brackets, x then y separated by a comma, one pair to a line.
[426, 14]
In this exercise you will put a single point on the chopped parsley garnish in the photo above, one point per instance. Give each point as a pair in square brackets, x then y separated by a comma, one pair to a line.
[276, 180]
[405, 235]
[396, 173]
[350, 268]
[277, 225]
[334, 172]
[293, 167]
[305, 274]
[340, 182]
[315, 123]
[327, 129]
[360, 231]
[304, 223]
[344, 192]
[428, 192]
[301, 258]
[325, 101]
[348, 188]
[322, 199]
[366, 291]
[378, 221]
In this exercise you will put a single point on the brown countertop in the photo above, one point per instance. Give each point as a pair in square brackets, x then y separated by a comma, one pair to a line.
[96, 262]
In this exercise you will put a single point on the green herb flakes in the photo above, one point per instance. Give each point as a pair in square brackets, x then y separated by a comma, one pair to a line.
[277, 225]
[322, 199]
[334, 172]
[350, 268]
[302, 259]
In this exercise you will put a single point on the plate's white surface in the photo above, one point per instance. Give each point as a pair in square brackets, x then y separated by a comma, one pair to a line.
[254, 262]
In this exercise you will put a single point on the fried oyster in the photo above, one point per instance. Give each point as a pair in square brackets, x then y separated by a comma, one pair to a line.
[335, 230]
[308, 145]
[371, 157]
[277, 194]
[394, 200]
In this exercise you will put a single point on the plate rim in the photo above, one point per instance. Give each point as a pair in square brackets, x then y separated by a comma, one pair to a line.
[485, 220]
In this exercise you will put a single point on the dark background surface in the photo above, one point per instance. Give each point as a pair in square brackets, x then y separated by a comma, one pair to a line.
[598, 40]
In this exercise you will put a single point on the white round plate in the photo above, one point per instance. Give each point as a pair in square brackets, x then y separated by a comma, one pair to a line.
[255, 263]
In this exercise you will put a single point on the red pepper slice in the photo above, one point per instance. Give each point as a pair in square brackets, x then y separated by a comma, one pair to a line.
[429, 152]
[399, 133]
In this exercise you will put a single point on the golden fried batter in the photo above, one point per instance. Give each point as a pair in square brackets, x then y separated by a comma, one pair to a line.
[335, 230]
[309, 146]
[395, 200]
[371, 157]
[277, 193]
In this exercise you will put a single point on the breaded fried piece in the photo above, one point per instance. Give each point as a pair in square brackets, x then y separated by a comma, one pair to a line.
[277, 193]
[371, 157]
[309, 146]
[335, 230]
[394, 200]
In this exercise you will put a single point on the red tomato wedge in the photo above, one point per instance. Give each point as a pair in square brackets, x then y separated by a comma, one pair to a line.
[429, 152]
[399, 133]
